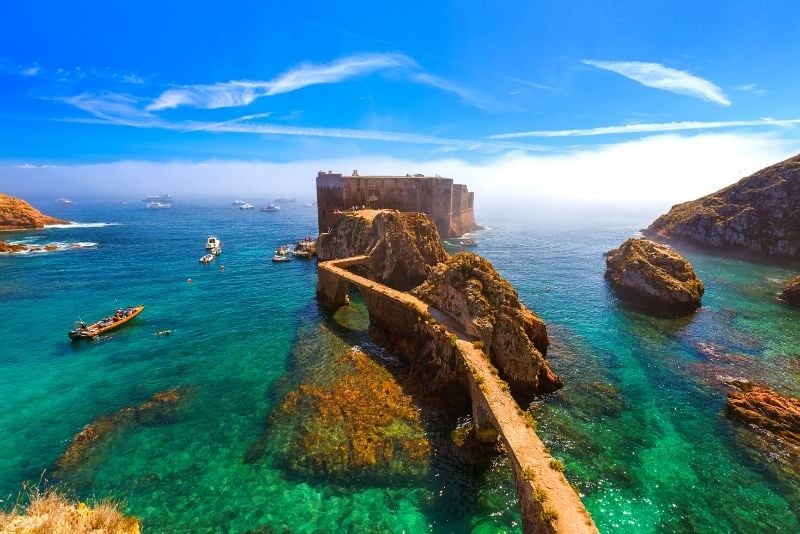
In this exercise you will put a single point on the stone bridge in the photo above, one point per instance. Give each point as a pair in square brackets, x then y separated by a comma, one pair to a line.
[548, 503]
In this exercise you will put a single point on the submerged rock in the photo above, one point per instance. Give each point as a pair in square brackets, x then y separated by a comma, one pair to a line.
[402, 247]
[11, 248]
[791, 293]
[16, 214]
[654, 277]
[360, 425]
[158, 409]
[484, 305]
[765, 409]
[757, 214]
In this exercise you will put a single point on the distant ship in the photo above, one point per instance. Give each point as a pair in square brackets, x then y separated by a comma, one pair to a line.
[164, 199]
[271, 207]
[64, 201]
[284, 200]
[153, 205]
[246, 206]
[238, 203]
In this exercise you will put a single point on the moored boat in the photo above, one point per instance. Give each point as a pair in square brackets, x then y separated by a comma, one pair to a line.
[158, 205]
[271, 207]
[246, 207]
[208, 258]
[278, 258]
[120, 317]
[213, 242]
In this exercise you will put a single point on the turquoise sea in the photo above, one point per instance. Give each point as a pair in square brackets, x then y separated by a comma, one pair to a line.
[639, 425]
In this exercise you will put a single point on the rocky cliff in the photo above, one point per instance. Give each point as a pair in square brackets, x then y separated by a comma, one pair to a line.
[16, 214]
[654, 277]
[485, 306]
[759, 214]
[765, 409]
[791, 293]
[402, 247]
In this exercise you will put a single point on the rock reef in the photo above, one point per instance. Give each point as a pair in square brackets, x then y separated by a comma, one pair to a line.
[484, 306]
[402, 247]
[16, 214]
[158, 409]
[758, 215]
[361, 425]
[654, 278]
[765, 409]
[791, 293]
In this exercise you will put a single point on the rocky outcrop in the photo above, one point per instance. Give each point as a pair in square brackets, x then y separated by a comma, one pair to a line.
[653, 277]
[485, 306]
[791, 293]
[758, 214]
[22, 248]
[402, 247]
[158, 409]
[765, 409]
[358, 425]
[16, 214]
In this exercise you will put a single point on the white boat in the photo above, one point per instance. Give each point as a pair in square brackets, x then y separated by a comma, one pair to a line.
[64, 201]
[216, 251]
[208, 258]
[163, 198]
[277, 258]
[271, 207]
[246, 206]
[213, 242]
[153, 205]
[238, 203]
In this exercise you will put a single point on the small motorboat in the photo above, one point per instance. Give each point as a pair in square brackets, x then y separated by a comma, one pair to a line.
[279, 258]
[64, 201]
[246, 206]
[89, 331]
[213, 242]
[238, 203]
[158, 205]
[208, 258]
[162, 332]
[216, 251]
[271, 207]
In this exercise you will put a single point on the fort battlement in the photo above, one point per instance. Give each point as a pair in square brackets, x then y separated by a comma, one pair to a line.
[448, 204]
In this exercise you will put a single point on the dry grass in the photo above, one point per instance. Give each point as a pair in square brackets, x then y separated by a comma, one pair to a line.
[49, 512]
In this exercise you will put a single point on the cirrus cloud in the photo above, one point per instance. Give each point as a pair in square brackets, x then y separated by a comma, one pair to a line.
[659, 76]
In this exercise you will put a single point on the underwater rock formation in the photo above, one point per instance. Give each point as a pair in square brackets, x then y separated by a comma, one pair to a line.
[16, 214]
[654, 278]
[402, 247]
[791, 293]
[484, 305]
[361, 425]
[765, 409]
[757, 214]
[158, 409]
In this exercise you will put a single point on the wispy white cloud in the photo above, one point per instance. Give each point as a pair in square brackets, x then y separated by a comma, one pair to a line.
[535, 85]
[238, 93]
[122, 110]
[658, 76]
[649, 128]
[751, 88]
[30, 166]
[32, 70]
[244, 92]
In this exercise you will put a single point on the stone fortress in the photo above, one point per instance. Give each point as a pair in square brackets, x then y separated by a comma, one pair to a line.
[450, 205]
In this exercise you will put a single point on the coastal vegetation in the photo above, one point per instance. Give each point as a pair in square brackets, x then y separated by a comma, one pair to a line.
[50, 512]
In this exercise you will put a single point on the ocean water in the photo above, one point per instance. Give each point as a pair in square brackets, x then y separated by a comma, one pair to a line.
[639, 425]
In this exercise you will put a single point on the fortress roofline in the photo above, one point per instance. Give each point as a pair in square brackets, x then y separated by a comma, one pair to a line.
[381, 176]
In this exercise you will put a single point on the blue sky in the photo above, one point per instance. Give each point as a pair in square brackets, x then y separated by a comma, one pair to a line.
[92, 84]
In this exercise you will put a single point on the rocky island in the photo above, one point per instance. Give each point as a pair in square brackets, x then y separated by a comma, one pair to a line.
[16, 214]
[653, 277]
[757, 215]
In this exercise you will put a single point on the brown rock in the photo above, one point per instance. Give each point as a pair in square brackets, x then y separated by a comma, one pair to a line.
[764, 408]
[791, 293]
[12, 247]
[758, 214]
[16, 214]
[402, 247]
[654, 277]
[157, 409]
[484, 305]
